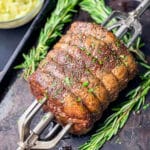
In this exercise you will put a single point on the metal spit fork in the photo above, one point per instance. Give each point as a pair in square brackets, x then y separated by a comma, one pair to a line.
[30, 139]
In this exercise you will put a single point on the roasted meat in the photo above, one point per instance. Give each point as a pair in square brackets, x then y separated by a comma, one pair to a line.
[83, 73]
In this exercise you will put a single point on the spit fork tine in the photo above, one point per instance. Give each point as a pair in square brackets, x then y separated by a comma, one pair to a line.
[29, 139]
[127, 22]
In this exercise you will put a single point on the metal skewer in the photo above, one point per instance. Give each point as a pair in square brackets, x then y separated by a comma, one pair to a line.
[127, 22]
[29, 139]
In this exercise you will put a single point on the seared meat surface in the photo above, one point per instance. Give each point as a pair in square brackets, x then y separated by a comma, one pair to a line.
[83, 73]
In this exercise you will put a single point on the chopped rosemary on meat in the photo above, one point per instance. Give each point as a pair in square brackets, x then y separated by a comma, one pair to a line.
[68, 81]
[99, 51]
[90, 90]
[78, 99]
[94, 59]
[122, 56]
[52, 29]
[118, 44]
[100, 62]
[83, 48]
[88, 53]
[106, 58]
[93, 46]
[85, 84]
[126, 63]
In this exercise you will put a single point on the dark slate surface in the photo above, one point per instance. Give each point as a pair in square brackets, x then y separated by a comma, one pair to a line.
[134, 136]
[12, 37]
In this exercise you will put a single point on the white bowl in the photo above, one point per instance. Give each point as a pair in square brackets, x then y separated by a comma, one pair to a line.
[22, 20]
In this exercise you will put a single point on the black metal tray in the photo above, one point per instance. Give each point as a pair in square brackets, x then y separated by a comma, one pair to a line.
[14, 42]
[134, 136]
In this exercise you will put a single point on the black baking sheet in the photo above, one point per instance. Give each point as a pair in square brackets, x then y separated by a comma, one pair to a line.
[134, 136]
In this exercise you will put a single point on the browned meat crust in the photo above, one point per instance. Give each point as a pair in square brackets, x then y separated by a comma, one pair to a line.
[83, 73]
[62, 103]
[101, 52]
[102, 34]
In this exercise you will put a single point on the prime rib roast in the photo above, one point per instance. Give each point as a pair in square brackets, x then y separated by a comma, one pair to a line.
[83, 73]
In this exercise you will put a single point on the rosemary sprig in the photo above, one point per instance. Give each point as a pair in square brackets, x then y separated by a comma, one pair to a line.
[52, 29]
[100, 12]
[121, 113]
